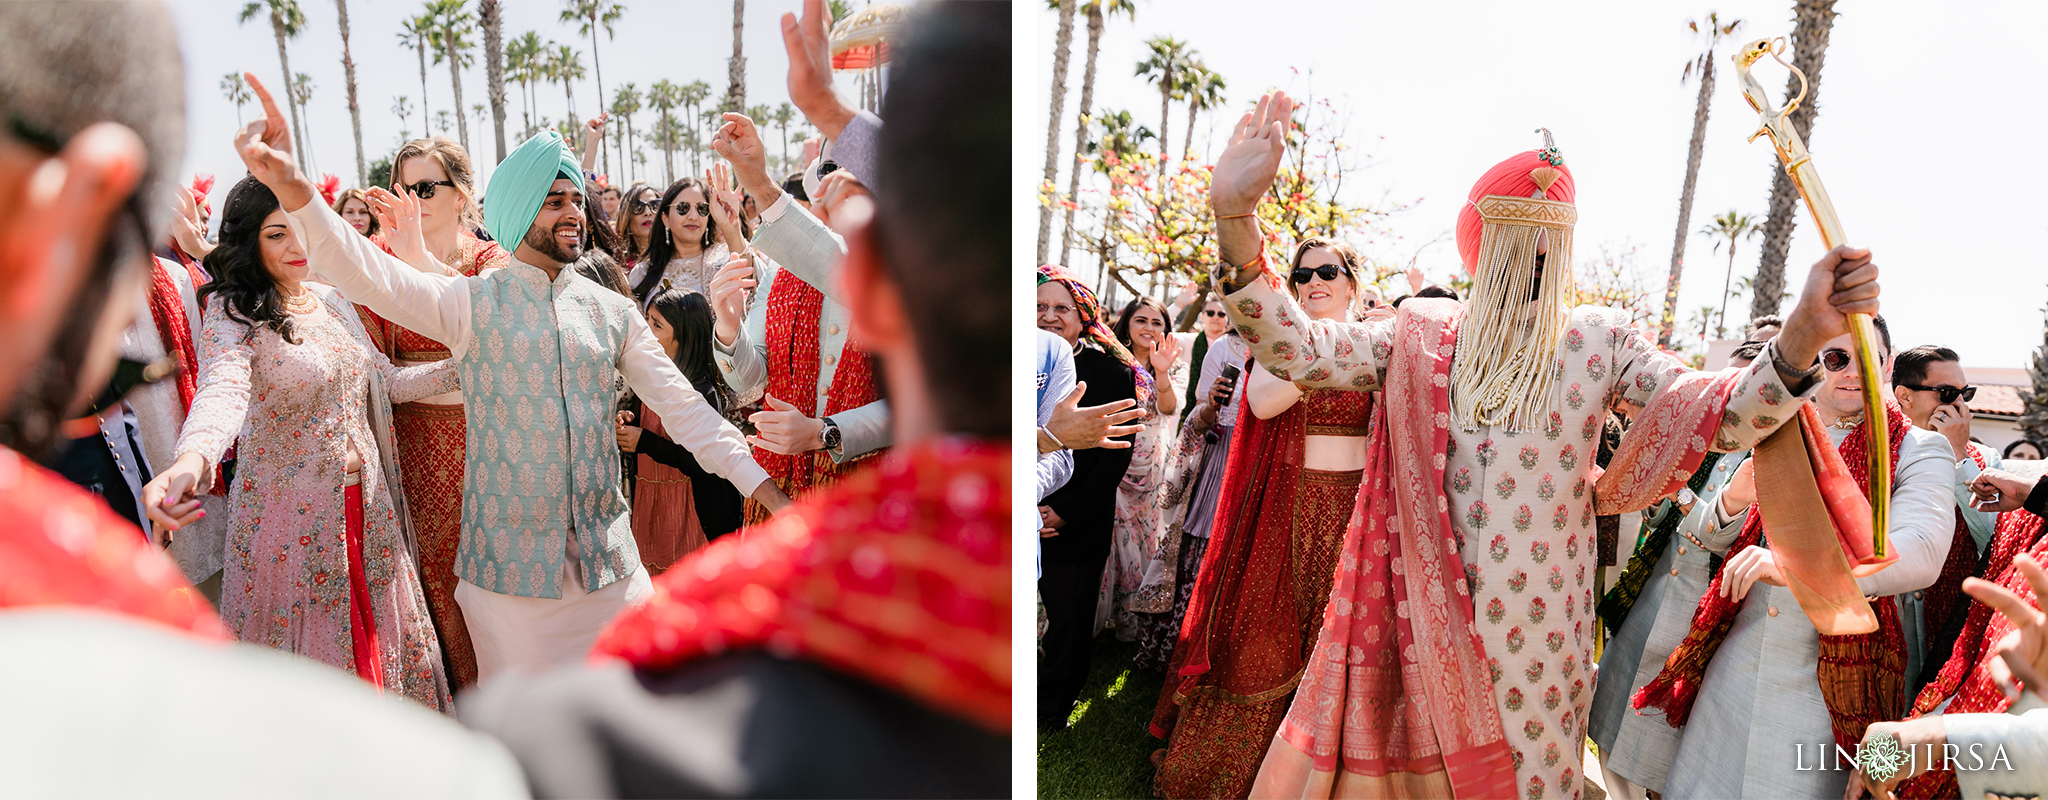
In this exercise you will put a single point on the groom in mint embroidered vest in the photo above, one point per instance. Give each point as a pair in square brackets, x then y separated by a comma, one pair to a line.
[547, 554]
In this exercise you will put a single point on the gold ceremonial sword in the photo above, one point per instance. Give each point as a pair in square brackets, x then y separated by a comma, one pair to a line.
[1777, 124]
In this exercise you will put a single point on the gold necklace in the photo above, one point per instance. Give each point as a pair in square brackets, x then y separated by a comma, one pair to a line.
[302, 303]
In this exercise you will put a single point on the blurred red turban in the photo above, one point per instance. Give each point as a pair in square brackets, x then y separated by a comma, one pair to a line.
[1514, 177]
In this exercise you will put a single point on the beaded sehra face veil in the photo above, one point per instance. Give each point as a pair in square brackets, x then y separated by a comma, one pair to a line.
[1504, 372]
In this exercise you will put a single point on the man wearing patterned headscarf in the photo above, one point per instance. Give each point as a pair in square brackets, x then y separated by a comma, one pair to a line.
[1472, 570]
[547, 554]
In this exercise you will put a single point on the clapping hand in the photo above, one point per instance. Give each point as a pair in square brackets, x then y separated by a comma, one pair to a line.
[1164, 353]
[398, 212]
[728, 292]
[2023, 653]
[1080, 428]
[726, 207]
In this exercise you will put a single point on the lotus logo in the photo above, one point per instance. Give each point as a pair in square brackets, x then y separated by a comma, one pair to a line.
[1882, 758]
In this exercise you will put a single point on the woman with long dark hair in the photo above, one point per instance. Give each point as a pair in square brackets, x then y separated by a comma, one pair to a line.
[677, 505]
[693, 237]
[320, 557]
[638, 213]
[1135, 537]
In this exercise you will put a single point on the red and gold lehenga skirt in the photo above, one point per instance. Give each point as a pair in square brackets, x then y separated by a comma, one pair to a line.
[1258, 603]
[665, 524]
[431, 440]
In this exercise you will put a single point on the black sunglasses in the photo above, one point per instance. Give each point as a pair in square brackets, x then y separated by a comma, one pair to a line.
[1210, 313]
[1948, 393]
[1835, 359]
[425, 189]
[644, 206]
[682, 208]
[1327, 272]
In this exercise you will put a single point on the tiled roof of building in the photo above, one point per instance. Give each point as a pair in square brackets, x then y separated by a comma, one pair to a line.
[1995, 399]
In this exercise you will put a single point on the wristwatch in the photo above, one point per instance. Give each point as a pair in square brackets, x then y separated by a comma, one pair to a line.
[830, 436]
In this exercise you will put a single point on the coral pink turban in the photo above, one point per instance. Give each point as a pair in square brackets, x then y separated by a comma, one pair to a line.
[1513, 179]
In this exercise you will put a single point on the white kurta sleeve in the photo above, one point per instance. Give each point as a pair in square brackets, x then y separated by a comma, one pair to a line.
[435, 306]
[2000, 755]
[1316, 353]
[690, 421]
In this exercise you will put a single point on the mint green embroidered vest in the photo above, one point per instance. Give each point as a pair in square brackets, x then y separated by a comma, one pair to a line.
[542, 458]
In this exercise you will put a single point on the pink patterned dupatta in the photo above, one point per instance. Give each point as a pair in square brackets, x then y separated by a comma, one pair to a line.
[1394, 702]
[1390, 704]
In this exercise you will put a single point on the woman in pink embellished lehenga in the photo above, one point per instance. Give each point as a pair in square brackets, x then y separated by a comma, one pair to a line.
[320, 558]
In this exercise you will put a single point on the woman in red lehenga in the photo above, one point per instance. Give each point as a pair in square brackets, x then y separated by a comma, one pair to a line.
[1295, 464]
[429, 228]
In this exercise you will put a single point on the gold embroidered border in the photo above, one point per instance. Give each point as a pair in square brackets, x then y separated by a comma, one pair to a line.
[1527, 211]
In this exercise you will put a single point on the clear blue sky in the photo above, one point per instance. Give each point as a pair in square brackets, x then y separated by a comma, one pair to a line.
[1927, 139]
[677, 40]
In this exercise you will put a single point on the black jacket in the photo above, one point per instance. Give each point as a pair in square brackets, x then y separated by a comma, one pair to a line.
[1088, 502]
[719, 507]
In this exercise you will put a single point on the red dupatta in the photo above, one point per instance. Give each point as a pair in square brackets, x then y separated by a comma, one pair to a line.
[791, 328]
[1965, 680]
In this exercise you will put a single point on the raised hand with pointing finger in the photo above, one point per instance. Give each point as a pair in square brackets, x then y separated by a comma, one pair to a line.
[265, 145]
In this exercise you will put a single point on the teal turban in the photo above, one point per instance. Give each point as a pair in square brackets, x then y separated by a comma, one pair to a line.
[521, 182]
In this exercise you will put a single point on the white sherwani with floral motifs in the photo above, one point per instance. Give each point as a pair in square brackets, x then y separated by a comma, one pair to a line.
[1521, 501]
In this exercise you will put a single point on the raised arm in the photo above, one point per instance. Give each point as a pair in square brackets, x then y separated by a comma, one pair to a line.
[1315, 353]
[401, 384]
[1759, 403]
[743, 363]
[690, 421]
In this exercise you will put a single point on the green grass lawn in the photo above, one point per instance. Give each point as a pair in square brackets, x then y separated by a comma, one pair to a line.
[1105, 752]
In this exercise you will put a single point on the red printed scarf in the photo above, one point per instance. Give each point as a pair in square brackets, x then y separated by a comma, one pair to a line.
[898, 575]
[1966, 677]
[794, 308]
[174, 329]
[1861, 676]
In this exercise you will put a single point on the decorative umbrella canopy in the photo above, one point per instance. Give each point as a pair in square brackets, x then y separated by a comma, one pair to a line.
[861, 40]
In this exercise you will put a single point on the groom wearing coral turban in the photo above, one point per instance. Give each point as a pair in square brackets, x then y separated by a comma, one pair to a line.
[547, 554]
[1455, 656]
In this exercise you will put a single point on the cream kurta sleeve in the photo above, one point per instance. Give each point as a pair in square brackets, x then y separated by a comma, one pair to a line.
[1316, 353]
[1923, 521]
[435, 306]
[689, 420]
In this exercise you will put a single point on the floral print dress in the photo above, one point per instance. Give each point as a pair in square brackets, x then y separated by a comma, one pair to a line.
[1140, 522]
[297, 411]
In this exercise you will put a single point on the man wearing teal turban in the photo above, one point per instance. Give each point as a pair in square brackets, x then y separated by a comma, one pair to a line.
[547, 554]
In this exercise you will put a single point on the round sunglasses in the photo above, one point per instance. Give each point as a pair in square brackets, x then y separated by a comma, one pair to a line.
[682, 208]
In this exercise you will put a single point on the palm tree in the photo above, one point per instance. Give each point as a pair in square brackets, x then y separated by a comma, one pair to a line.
[1098, 12]
[1729, 229]
[1202, 90]
[490, 16]
[736, 67]
[694, 95]
[523, 64]
[355, 113]
[784, 114]
[286, 20]
[414, 33]
[625, 104]
[565, 65]
[1812, 20]
[663, 97]
[452, 26]
[237, 91]
[441, 120]
[1709, 34]
[1122, 137]
[1169, 59]
[401, 108]
[1062, 45]
[300, 91]
[591, 16]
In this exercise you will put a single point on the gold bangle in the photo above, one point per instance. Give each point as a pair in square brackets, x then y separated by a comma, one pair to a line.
[1238, 216]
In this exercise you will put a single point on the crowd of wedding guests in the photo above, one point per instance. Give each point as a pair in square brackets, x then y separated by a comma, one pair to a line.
[333, 416]
[1173, 471]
